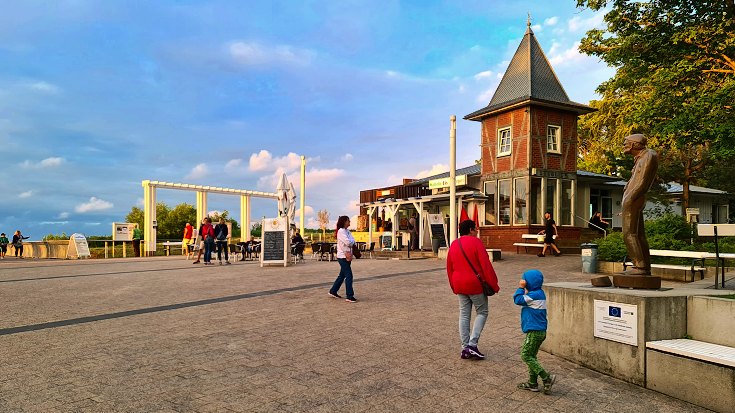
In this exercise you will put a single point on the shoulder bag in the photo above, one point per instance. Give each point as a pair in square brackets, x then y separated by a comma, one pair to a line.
[486, 289]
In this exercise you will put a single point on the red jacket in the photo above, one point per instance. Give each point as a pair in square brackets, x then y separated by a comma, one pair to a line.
[461, 277]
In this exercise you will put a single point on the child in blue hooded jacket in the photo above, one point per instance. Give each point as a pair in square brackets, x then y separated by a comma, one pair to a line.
[532, 299]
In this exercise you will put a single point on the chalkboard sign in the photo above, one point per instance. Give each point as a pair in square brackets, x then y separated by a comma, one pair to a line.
[385, 241]
[272, 247]
[437, 231]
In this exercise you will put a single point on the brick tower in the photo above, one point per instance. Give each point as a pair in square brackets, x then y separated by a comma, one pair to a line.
[529, 150]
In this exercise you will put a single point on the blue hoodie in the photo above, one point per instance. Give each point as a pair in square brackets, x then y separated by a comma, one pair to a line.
[533, 313]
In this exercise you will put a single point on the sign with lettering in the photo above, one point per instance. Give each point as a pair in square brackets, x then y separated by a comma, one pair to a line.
[122, 231]
[616, 322]
[437, 229]
[444, 182]
[78, 247]
[274, 248]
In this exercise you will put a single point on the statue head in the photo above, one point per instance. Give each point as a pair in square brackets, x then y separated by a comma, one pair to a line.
[634, 143]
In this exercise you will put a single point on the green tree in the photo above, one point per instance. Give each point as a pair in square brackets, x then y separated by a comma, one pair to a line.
[171, 222]
[256, 230]
[675, 82]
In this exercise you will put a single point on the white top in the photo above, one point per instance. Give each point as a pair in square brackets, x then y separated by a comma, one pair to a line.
[344, 242]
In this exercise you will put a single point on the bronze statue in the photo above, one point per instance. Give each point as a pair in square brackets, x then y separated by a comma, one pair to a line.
[634, 200]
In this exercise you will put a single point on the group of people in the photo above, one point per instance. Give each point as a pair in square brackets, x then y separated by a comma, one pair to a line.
[17, 243]
[472, 278]
[208, 238]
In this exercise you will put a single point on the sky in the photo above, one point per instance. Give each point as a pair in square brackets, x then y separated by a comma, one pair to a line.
[97, 96]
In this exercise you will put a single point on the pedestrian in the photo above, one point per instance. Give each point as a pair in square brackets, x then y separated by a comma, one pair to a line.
[414, 231]
[137, 236]
[550, 235]
[598, 223]
[222, 234]
[208, 239]
[18, 243]
[187, 241]
[3, 245]
[467, 263]
[532, 299]
[199, 243]
[344, 257]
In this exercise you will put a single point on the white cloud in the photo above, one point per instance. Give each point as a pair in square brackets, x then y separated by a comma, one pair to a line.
[579, 24]
[63, 215]
[44, 87]
[323, 176]
[352, 209]
[484, 75]
[26, 194]
[45, 163]
[551, 21]
[94, 204]
[256, 54]
[308, 211]
[348, 157]
[435, 169]
[560, 58]
[54, 222]
[198, 172]
[536, 27]
[235, 167]
[314, 177]
[264, 161]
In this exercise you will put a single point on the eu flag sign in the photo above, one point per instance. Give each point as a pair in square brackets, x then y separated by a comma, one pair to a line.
[614, 311]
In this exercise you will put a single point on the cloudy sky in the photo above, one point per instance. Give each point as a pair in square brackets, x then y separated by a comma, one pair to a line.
[96, 96]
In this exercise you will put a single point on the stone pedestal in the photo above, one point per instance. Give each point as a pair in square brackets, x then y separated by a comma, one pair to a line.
[642, 282]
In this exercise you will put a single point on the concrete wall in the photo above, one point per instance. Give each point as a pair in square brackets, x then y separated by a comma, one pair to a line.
[42, 249]
[704, 384]
[712, 319]
[661, 315]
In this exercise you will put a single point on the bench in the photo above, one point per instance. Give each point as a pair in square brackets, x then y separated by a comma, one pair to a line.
[169, 244]
[528, 245]
[697, 263]
[713, 366]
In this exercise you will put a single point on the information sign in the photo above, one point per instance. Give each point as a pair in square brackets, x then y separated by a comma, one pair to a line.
[444, 182]
[616, 322]
[436, 226]
[123, 231]
[78, 247]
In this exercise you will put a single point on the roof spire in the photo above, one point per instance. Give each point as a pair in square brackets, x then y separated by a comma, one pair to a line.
[528, 24]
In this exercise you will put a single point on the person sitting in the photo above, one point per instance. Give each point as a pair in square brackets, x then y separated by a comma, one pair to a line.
[297, 244]
[597, 223]
[296, 239]
[248, 247]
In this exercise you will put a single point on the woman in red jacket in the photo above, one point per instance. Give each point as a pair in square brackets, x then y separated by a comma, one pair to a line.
[465, 253]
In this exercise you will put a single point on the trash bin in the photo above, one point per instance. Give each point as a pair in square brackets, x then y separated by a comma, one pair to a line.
[589, 258]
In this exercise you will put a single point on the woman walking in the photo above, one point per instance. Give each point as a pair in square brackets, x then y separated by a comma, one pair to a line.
[18, 243]
[344, 257]
[208, 238]
[467, 261]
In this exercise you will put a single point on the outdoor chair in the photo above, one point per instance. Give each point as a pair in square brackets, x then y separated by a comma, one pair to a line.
[236, 251]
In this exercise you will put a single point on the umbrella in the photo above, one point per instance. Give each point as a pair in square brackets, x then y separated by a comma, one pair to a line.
[291, 203]
[282, 191]
[463, 216]
[476, 219]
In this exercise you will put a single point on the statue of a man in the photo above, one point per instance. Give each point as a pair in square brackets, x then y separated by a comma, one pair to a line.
[634, 200]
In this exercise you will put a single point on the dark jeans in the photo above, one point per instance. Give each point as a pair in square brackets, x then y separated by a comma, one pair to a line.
[222, 246]
[136, 247]
[208, 247]
[345, 275]
[19, 250]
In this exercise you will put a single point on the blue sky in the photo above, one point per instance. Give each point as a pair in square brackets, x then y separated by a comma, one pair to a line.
[96, 96]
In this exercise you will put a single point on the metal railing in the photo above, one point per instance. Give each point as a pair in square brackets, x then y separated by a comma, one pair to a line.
[604, 231]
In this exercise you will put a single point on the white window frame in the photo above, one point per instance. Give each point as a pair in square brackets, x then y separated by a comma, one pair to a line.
[507, 146]
[553, 141]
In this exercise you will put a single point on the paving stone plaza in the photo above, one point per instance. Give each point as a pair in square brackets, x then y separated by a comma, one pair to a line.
[163, 335]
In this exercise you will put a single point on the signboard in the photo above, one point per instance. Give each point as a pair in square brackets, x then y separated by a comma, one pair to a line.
[123, 231]
[274, 247]
[616, 322]
[692, 211]
[78, 247]
[444, 182]
[436, 227]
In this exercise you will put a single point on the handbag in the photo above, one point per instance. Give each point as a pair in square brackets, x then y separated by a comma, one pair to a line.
[356, 251]
[486, 289]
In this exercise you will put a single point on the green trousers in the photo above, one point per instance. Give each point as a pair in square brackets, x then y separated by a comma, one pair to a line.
[528, 355]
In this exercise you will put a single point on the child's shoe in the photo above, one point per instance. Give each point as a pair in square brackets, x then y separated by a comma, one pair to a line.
[529, 386]
[548, 383]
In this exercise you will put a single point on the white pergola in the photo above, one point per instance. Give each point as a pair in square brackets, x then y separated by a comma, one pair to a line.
[393, 205]
[149, 201]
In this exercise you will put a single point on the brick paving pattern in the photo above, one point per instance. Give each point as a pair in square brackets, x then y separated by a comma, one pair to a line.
[163, 335]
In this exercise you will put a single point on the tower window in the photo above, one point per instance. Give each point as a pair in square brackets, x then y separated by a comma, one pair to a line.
[504, 142]
[552, 139]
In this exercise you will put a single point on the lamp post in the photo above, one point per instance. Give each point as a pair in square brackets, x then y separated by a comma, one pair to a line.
[452, 179]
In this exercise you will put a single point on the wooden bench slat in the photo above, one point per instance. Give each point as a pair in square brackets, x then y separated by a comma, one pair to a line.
[700, 350]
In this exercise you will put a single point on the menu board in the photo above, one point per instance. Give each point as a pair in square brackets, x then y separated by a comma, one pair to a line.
[437, 229]
[274, 246]
[78, 247]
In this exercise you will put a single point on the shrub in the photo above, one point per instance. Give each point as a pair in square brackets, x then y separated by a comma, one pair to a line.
[611, 248]
[669, 225]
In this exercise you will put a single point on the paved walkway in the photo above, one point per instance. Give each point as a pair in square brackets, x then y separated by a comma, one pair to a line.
[161, 334]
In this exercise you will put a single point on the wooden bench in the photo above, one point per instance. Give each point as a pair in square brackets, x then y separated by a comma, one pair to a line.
[697, 263]
[528, 245]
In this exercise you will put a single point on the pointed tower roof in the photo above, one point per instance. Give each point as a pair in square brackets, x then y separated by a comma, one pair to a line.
[529, 77]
